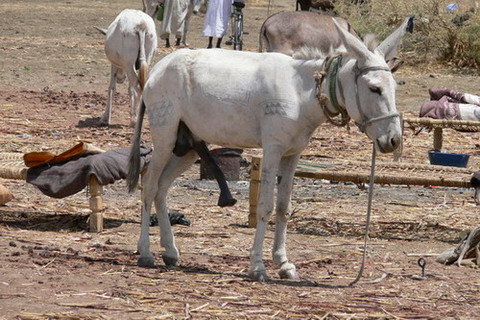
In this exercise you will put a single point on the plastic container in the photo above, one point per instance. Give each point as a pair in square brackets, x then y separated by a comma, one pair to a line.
[448, 159]
[228, 160]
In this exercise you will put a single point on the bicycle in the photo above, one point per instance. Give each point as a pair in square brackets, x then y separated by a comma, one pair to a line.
[236, 22]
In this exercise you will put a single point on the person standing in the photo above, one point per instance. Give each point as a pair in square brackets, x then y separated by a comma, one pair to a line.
[216, 20]
[174, 14]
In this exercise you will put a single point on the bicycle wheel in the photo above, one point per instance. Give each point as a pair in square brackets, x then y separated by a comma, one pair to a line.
[238, 33]
[230, 40]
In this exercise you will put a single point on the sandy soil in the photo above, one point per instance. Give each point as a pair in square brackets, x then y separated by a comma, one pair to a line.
[53, 84]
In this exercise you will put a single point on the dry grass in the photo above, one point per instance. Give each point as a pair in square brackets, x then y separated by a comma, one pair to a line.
[448, 37]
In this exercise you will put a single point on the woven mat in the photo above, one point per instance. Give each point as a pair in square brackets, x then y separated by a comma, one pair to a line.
[12, 166]
[387, 173]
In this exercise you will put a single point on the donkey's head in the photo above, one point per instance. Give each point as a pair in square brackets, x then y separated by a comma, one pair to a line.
[369, 93]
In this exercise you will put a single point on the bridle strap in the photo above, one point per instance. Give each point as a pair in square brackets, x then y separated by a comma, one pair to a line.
[369, 121]
[330, 68]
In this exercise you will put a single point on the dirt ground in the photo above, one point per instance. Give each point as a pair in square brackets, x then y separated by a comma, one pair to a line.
[53, 87]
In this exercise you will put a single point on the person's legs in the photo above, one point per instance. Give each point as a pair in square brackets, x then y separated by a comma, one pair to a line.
[210, 39]
[167, 43]
[219, 42]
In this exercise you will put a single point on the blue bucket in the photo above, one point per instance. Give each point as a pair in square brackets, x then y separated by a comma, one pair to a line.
[448, 159]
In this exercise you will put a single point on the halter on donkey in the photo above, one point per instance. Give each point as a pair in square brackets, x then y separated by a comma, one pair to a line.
[245, 99]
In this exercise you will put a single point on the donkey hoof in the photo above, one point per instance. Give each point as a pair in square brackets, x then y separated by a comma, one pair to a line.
[104, 122]
[288, 274]
[228, 202]
[258, 275]
[146, 262]
[169, 261]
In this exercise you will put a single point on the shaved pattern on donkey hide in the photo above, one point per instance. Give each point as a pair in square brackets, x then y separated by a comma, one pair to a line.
[366, 91]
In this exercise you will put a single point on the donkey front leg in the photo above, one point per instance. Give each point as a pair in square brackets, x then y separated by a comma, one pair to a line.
[270, 165]
[279, 252]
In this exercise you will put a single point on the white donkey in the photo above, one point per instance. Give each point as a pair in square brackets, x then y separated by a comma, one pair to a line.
[246, 99]
[131, 41]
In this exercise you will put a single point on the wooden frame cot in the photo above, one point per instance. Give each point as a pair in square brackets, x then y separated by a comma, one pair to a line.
[12, 167]
[358, 172]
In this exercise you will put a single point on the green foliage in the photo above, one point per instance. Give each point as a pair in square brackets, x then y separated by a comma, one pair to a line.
[440, 36]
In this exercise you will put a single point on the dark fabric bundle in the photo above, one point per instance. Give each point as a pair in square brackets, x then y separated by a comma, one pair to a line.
[65, 179]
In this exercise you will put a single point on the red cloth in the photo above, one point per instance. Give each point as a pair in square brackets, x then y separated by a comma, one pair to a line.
[441, 109]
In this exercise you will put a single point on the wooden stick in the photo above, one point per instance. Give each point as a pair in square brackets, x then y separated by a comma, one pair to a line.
[437, 138]
[96, 204]
[441, 123]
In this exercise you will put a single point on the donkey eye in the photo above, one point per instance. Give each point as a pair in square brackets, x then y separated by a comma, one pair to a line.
[376, 90]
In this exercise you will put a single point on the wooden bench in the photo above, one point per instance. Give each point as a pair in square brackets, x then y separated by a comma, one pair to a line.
[12, 167]
[386, 173]
[438, 125]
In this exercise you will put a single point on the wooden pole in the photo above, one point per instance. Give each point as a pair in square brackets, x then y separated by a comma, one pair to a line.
[437, 138]
[255, 182]
[96, 204]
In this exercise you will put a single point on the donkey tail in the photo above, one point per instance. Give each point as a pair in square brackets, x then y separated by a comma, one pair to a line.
[134, 157]
[102, 30]
[261, 38]
[143, 72]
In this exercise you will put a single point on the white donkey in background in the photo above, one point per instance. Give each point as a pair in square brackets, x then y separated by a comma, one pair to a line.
[270, 101]
[130, 44]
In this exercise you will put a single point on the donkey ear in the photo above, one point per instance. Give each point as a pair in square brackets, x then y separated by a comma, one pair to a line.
[389, 47]
[354, 45]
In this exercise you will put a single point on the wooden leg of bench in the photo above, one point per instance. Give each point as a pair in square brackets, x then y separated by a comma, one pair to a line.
[437, 139]
[96, 205]
[255, 181]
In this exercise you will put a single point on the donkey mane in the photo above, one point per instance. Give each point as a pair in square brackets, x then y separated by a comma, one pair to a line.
[312, 53]
[308, 53]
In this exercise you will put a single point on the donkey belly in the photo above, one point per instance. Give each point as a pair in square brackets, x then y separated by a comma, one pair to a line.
[228, 126]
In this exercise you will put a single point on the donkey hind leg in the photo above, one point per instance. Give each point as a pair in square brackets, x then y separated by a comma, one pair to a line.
[271, 159]
[146, 258]
[134, 92]
[175, 167]
[105, 120]
[150, 183]
[279, 251]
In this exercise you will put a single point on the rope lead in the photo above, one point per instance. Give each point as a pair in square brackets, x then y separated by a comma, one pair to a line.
[369, 210]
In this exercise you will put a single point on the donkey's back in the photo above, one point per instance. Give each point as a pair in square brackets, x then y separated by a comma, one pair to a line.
[288, 31]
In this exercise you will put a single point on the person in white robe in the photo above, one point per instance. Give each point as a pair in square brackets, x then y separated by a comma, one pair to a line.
[216, 20]
[174, 14]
